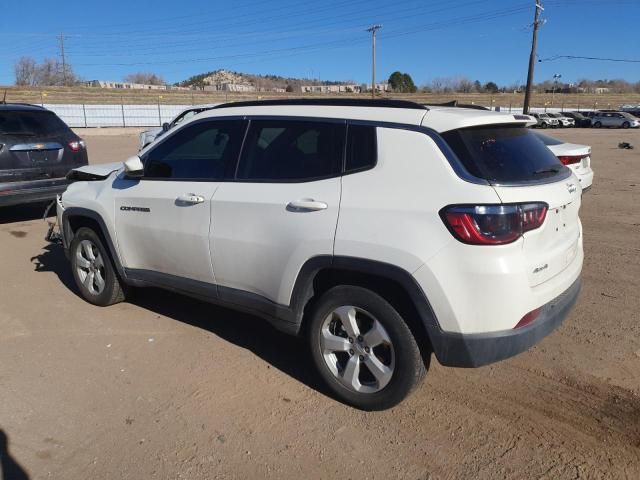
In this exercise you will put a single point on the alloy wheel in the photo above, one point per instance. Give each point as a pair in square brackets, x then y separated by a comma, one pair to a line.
[90, 267]
[357, 349]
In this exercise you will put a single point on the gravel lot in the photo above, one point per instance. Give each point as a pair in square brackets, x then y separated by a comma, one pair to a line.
[167, 387]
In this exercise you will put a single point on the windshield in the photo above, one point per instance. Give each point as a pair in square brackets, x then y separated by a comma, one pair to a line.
[30, 123]
[503, 154]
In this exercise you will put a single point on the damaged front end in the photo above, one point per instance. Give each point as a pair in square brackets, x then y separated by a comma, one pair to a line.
[54, 232]
[86, 173]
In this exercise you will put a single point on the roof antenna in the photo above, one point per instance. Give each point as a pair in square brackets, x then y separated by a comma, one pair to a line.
[4, 99]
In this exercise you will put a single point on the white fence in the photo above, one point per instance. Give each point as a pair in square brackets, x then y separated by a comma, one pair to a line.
[154, 115]
[80, 115]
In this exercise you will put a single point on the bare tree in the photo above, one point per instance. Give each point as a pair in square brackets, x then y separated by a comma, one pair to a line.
[49, 73]
[25, 69]
[465, 85]
[437, 85]
[145, 78]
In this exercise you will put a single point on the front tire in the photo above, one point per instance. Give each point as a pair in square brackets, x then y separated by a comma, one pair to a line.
[363, 349]
[544, 125]
[597, 125]
[626, 125]
[93, 270]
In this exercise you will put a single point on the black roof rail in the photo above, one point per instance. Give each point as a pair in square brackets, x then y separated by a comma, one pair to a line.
[454, 103]
[336, 102]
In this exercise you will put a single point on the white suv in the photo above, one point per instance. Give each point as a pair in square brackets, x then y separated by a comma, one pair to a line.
[382, 231]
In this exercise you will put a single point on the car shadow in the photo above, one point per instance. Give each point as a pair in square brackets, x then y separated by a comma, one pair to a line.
[9, 468]
[288, 354]
[52, 259]
[23, 213]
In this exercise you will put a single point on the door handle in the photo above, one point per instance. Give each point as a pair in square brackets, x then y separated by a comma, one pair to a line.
[189, 199]
[306, 205]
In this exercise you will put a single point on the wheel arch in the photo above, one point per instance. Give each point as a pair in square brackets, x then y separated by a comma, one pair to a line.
[74, 218]
[394, 284]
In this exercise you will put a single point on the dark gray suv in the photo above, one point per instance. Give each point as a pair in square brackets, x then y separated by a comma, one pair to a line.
[37, 149]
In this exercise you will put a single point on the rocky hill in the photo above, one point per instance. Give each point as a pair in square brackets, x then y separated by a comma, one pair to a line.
[263, 81]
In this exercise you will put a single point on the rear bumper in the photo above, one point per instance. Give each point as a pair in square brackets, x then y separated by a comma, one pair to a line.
[15, 193]
[586, 179]
[475, 350]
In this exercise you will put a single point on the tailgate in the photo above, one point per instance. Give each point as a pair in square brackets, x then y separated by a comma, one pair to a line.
[551, 248]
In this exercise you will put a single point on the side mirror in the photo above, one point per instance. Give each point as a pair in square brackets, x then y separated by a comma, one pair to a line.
[133, 166]
[165, 127]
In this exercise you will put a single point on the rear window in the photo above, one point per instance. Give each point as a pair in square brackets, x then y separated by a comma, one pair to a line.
[547, 140]
[30, 123]
[503, 154]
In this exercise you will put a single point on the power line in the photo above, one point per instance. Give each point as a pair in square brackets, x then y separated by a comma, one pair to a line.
[577, 57]
[338, 43]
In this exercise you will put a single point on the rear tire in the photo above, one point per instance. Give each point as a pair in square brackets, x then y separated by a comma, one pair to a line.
[544, 125]
[93, 269]
[363, 349]
[597, 125]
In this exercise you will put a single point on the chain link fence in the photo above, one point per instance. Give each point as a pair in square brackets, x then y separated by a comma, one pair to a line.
[86, 116]
[80, 115]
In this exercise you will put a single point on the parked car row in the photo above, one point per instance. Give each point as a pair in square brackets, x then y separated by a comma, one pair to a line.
[595, 119]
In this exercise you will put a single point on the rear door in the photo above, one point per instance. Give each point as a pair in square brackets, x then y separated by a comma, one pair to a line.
[163, 219]
[553, 247]
[37, 145]
[281, 210]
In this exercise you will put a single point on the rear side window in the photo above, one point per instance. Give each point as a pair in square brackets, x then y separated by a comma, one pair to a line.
[205, 150]
[362, 147]
[503, 154]
[31, 123]
[291, 150]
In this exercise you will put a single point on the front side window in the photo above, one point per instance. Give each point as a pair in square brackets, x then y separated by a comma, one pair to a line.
[205, 150]
[291, 150]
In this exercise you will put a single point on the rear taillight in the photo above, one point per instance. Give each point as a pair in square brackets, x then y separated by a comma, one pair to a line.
[493, 224]
[571, 159]
[77, 145]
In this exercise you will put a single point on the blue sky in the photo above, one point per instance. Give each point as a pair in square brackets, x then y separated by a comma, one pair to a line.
[487, 40]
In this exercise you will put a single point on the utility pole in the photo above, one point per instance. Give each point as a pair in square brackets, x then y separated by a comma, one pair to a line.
[64, 63]
[373, 29]
[532, 58]
[556, 76]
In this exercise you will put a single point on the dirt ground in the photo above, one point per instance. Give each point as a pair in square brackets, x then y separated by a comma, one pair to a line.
[167, 387]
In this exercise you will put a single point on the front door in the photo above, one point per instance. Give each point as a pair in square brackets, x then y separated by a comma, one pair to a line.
[163, 219]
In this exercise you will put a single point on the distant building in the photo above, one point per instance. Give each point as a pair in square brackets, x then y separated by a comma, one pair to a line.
[124, 85]
[230, 87]
[381, 87]
[330, 88]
